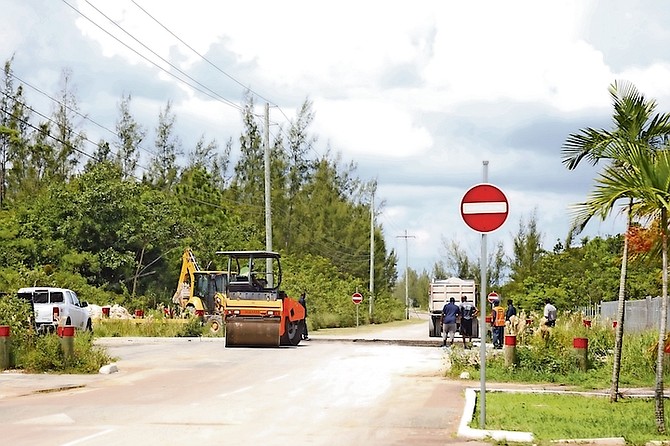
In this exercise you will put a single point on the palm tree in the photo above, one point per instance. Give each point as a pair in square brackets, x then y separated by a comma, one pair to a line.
[645, 181]
[634, 122]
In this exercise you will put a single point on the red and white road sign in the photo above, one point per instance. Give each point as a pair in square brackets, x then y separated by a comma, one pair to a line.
[484, 208]
[493, 297]
[357, 298]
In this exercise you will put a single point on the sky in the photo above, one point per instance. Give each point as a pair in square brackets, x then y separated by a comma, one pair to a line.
[417, 94]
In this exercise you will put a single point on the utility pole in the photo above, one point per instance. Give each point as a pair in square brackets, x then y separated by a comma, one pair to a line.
[372, 252]
[406, 272]
[268, 194]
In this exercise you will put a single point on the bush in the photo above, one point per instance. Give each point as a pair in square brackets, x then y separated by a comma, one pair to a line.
[44, 354]
[551, 358]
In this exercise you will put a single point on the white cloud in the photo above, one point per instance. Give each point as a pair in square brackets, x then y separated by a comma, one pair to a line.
[370, 127]
[418, 94]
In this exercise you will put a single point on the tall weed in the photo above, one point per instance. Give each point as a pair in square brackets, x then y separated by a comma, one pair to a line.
[549, 356]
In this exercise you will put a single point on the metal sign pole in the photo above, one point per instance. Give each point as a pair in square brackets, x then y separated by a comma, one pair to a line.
[482, 320]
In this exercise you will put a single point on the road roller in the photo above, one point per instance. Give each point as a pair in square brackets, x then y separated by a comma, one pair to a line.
[257, 313]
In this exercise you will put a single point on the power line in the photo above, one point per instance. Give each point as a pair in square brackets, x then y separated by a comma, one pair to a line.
[48, 134]
[197, 53]
[50, 120]
[212, 95]
[86, 117]
[216, 67]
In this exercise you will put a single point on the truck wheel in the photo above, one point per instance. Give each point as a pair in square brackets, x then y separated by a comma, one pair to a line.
[68, 321]
[89, 326]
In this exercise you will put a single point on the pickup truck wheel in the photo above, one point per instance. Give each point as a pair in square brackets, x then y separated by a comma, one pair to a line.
[89, 326]
[68, 321]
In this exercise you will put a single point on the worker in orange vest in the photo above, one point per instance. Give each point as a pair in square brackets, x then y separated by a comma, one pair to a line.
[498, 324]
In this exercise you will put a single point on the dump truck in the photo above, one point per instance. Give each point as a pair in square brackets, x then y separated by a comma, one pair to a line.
[256, 312]
[439, 293]
[200, 292]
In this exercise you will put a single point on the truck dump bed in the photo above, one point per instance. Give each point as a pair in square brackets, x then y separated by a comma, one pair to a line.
[442, 290]
[439, 294]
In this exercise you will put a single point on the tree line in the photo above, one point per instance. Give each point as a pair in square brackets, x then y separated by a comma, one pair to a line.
[112, 221]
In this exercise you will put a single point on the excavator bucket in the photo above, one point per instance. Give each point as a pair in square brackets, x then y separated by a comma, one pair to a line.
[252, 332]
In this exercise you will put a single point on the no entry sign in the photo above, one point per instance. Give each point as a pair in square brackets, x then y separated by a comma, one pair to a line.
[493, 297]
[484, 208]
[357, 298]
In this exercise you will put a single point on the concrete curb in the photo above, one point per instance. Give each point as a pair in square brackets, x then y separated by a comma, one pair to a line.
[480, 434]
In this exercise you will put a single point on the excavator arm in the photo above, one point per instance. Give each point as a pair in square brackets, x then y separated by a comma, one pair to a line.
[184, 292]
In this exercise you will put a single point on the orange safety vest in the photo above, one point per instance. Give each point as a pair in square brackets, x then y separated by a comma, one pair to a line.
[498, 316]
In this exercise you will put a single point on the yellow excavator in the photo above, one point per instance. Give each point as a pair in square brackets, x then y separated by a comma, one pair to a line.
[200, 292]
[256, 312]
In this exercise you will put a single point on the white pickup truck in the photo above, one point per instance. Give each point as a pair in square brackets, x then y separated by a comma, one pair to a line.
[57, 306]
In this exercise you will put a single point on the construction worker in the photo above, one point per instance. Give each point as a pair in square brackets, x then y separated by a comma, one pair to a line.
[498, 324]
[468, 312]
[303, 302]
[450, 314]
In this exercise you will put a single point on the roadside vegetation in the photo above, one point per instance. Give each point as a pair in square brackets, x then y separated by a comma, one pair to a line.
[564, 416]
[551, 359]
[150, 327]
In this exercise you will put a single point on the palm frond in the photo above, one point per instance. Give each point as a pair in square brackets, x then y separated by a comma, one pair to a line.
[589, 144]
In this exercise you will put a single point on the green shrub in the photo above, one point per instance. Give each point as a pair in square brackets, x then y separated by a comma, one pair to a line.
[45, 354]
[552, 358]
[193, 328]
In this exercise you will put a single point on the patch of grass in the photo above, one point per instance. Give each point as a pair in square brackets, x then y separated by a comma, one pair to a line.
[45, 354]
[569, 416]
[152, 327]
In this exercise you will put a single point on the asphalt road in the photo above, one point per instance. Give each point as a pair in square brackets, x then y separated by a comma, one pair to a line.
[332, 390]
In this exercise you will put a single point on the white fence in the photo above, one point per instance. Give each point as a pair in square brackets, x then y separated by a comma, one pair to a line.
[639, 315]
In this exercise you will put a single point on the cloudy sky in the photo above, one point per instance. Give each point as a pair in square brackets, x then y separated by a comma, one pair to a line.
[418, 94]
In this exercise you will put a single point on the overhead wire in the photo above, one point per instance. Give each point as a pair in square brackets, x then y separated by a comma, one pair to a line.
[48, 134]
[216, 67]
[86, 117]
[212, 95]
[159, 23]
[326, 249]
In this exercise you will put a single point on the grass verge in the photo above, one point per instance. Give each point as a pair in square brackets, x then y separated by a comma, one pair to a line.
[569, 416]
